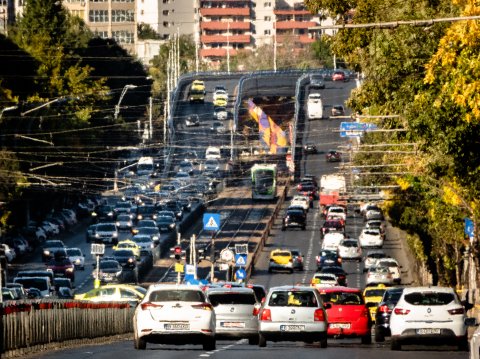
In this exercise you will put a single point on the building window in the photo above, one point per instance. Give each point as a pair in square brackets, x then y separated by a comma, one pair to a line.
[267, 18]
[101, 34]
[165, 24]
[165, 12]
[142, 12]
[123, 37]
[266, 32]
[267, 4]
[98, 16]
[122, 16]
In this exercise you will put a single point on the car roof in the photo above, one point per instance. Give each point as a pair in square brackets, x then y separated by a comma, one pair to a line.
[228, 289]
[292, 287]
[339, 289]
[408, 290]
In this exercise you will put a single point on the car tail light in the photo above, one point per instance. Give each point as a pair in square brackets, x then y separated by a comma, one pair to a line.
[150, 305]
[256, 310]
[290, 260]
[365, 312]
[203, 306]
[319, 315]
[299, 187]
[266, 315]
[456, 311]
[317, 259]
[300, 259]
[401, 311]
[384, 309]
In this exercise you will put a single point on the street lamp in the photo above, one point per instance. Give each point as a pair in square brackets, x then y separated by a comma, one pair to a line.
[124, 91]
[10, 108]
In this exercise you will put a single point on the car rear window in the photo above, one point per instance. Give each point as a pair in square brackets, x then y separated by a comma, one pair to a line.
[282, 254]
[374, 292]
[177, 295]
[232, 298]
[343, 298]
[293, 298]
[429, 298]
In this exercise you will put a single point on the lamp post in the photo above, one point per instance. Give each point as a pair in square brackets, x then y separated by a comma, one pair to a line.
[124, 91]
[9, 108]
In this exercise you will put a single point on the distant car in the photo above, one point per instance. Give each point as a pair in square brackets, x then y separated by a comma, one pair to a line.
[378, 275]
[145, 242]
[236, 313]
[298, 259]
[339, 76]
[294, 218]
[339, 273]
[212, 165]
[218, 127]
[310, 148]
[320, 280]
[123, 207]
[333, 156]
[393, 267]
[371, 237]
[114, 292]
[62, 282]
[350, 249]
[317, 81]
[153, 233]
[429, 315]
[302, 201]
[124, 222]
[329, 226]
[186, 166]
[328, 258]
[61, 266]
[220, 113]
[221, 99]
[129, 245]
[280, 259]
[293, 313]
[348, 315]
[166, 223]
[51, 247]
[338, 110]
[106, 233]
[174, 314]
[192, 120]
[308, 189]
[109, 271]
[103, 213]
[384, 310]
[126, 258]
[331, 240]
[77, 257]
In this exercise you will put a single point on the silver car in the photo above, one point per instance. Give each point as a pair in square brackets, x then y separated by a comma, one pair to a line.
[236, 310]
[293, 313]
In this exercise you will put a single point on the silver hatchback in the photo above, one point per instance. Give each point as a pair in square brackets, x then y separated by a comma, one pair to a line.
[236, 310]
[293, 314]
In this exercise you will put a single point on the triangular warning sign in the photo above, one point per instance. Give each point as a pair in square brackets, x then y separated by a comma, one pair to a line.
[241, 261]
[211, 223]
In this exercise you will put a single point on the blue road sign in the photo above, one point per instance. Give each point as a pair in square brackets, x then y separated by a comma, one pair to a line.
[240, 274]
[211, 221]
[240, 260]
[355, 129]
[469, 228]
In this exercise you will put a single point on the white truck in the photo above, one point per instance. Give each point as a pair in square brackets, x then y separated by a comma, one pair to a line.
[333, 183]
[314, 106]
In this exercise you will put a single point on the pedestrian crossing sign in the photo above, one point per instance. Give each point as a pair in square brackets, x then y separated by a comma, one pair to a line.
[211, 221]
[240, 260]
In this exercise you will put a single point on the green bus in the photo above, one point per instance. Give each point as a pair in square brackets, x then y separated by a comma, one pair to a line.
[264, 181]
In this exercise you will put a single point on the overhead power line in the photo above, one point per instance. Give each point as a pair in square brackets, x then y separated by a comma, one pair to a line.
[394, 24]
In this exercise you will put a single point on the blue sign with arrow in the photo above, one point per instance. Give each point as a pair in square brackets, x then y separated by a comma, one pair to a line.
[211, 221]
[355, 129]
[240, 274]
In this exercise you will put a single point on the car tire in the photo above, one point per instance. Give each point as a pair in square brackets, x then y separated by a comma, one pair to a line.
[395, 344]
[140, 344]
[210, 344]
[323, 342]
[283, 229]
[304, 228]
[253, 340]
[367, 339]
[379, 336]
[463, 345]
[269, 270]
[262, 342]
[291, 270]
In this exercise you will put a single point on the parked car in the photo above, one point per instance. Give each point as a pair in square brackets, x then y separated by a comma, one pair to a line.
[236, 313]
[429, 315]
[293, 313]
[348, 316]
[174, 314]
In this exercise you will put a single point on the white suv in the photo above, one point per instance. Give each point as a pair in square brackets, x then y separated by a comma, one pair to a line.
[174, 314]
[428, 314]
[293, 313]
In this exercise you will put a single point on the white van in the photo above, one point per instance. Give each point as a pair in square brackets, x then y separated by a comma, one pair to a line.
[213, 153]
[145, 166]
[43, 284]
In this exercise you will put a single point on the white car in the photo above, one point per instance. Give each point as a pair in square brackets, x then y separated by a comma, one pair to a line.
[349, 248]
[293, 313]
[324, 280]
[338, 212]
[301, 201]
[174, 314]
[371, 237]
[376, 224]
[379, 275]
[429, 315]
[331, 240]
[76, 257]
[211, 165]
[392, 266]
[9, 252]
[220, 113]
[145, 242]
[219, 93]
[372, 257]
[124, 222]
[213, 153]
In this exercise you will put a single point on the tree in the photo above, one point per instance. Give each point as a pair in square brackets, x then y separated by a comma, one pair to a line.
[146, 31]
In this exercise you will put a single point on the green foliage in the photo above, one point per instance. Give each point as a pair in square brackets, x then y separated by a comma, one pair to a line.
[146, 31]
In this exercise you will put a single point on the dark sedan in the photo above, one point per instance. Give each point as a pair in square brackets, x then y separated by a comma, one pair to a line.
[166, 224]
[294, 218]
[384, 311]
[328, 258]
[333, 156]
[310, 148]
[126, 258]
[339, 273]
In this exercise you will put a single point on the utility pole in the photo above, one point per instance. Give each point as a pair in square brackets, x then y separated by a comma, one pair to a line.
[194, 256]
[275, 51]
[212, 258]
[178, 244]
[228, 47]
[150, 115]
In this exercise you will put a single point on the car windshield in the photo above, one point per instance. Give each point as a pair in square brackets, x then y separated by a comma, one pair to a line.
[54, 244]
[343, 298]
[142, 239]
[282, 254]
[374, 292]
[349, 244]
[28, 283]
[165, 219]
[124, 217]
[177, 296]
[109, 265]
[106, 227]
[146, 224]
[73, 252]
[295, 298]
[147, 230]
[123, 205]
[429, 298]
[232, 298]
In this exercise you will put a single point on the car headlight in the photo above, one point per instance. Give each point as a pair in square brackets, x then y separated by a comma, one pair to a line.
[151, 245]
[155, 238]
[78, 261]
[115, 235]
[117, 224]
[97, 235]
[110, 214]
[69, 270]
[172, 225]
[130, 260]
[94, 214]
[139, 217]
[46, 252]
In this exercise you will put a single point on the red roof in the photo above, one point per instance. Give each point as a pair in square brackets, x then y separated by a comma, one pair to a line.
[294, 24]
[208, 39]
[222, 25]
[225, 11]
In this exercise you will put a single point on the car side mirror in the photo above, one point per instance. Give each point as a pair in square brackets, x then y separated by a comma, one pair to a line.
[327, 305]
[471, 322]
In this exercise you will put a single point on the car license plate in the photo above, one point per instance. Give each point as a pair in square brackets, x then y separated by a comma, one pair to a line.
[292, 328]
[340, 325]
[177, 326]
[428, 331]
[232, 324]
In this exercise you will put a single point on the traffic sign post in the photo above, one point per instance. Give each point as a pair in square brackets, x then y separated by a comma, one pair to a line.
[211, 222]
[241, 260]
[240, 275]
[97, 249]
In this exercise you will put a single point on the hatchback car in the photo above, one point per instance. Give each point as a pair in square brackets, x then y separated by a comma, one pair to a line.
[236, 312]
[384, 310]
[371, 237]
[338, 110]
[294, 218]
[280, 259]
[378, 275]
[348, 315]
[174, 314]
[338, 76]
[349, 249]
[293, 313]
[428, 315]
[333, 156]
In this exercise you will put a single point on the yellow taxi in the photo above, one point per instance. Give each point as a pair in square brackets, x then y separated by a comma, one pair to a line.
[280, 259]
[373, 296]
[129, 244]
[198, 85]
[114, 292]
[220, 100]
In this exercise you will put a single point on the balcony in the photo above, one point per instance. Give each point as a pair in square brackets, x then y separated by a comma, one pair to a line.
[221, 25]
[285, 25]
[302, 39]
[223, 39]
[220, 11]
[291, 12]
[217, 52]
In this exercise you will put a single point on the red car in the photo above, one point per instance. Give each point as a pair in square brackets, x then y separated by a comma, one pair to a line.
[338, 76]
[307, 189]
[62, 267]
[333, 156]
[348, 315]
[332, 226]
